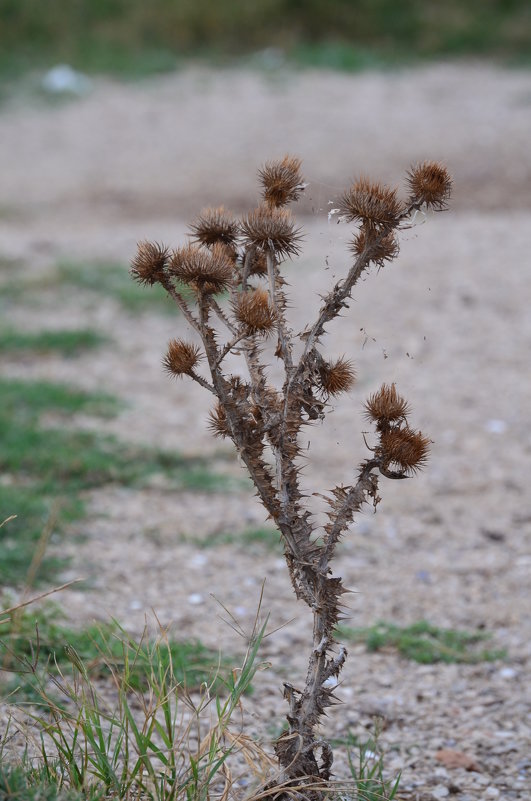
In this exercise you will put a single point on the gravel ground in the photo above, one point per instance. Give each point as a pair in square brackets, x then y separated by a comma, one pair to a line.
[449, 322]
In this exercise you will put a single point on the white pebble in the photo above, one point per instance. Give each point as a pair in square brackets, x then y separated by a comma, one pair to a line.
[507, 673]
[135, 604]
[496, 426]
[195, 598]
[440, 791]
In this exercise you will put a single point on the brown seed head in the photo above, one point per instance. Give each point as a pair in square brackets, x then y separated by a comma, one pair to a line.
[217, 421]
[384, 250]
[270, 228]
[386, 406]
[281, 181]
[181, 357]
[371, 203]
[405, 448]
[215, 225]
[258, 263]
[149, 263]
[338, 376]
[430, 183]
[207, 271]
[253, 310]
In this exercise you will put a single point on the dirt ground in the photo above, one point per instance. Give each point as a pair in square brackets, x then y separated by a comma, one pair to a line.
[449, 322]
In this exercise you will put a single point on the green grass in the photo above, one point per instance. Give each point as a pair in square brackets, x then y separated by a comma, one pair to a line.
[141, 736]
[424, 643]
[95, 280]
[46, 468]
[65, 342]
[101, 647]
[27, 783]
[133, 38]
[261, 538]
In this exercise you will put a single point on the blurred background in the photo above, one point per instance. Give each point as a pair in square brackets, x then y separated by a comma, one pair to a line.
[119, 121]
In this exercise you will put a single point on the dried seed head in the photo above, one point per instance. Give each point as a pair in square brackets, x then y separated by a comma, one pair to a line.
[386, 406]
[271, 228]
[338, 376]
[371, 203]
[206, 270]
[258, 263]
[149, 263]
[430, 183]
[253, 310]
[281, 181]
[215, 225]
[181, 357]
[217, 421]
[385, 250]
[405, 448]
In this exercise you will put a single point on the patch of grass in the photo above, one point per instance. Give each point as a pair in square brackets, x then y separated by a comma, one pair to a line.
[46, 468]
[154, 742]
[113, 280]
[103, 648]
[27, 783]
[95, 279]
[265, 538]
[424, 643]
[66, 342]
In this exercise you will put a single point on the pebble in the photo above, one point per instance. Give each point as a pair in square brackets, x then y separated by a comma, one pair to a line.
[492, 792]
[507, 673]
[195, 599]
[440, 791]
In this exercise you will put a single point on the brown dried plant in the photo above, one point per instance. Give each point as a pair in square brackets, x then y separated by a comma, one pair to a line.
[244, 258]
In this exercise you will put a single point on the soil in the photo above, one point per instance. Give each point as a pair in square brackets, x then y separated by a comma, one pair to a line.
[448, 321]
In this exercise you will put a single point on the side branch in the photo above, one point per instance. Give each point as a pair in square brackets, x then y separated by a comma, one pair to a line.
[349, 503]
[180, 301]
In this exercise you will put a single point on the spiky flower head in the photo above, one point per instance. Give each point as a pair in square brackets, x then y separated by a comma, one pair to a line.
[270, 228]
[217, 421]
[150, 262]
[215, 225]
[371, 203]
[257, 263]
[181, 357]
[282, 181]
[382, 248]
[405, 448]
[430, 184]
[338, 376]
[386, 406]
[253, 310]
[206, 271]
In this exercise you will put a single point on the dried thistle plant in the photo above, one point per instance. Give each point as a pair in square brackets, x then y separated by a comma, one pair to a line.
[245, 257]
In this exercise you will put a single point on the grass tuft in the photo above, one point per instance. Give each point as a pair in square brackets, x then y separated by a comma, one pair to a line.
[424, 643]
[261, 538]
[45, 469]
[137, 739]
[96, 280]
[103, 648]
[65, 342]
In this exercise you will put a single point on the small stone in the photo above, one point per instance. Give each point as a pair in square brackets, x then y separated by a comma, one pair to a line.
[195, 599]
[492, 792]
[496, 426]
[198, 560]
[507, 673]
[440, 791]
